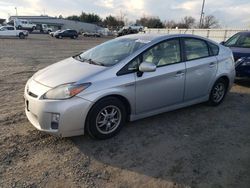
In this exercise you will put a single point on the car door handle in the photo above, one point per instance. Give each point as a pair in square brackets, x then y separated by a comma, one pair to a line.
[179, 74]
[212, 64]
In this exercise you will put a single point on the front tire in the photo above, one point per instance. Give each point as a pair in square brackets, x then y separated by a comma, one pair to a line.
[218, 92]
[106, 118]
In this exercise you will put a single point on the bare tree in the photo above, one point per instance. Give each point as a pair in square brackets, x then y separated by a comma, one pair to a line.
[150, 22]
[188, 22]
[170, 24]
[210, 21]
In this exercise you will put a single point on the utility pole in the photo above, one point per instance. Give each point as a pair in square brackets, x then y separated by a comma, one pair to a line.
[16, 11]
[202, 14]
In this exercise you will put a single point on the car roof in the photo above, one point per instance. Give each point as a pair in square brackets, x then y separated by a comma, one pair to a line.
[154, 37]
[244, 32]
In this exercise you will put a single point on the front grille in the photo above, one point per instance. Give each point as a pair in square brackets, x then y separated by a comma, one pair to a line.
[32, 94]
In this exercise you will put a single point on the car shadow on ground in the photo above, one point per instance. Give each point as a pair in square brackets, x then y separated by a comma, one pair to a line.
[195, 146]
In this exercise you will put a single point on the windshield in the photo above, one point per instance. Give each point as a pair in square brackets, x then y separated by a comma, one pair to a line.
[111, 52]
[241, 40]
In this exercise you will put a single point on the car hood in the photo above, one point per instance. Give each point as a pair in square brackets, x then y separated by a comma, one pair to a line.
[240, 52]
[66, 71]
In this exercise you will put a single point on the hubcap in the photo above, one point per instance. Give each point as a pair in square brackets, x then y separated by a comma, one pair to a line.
[108, 119]
[218, 92]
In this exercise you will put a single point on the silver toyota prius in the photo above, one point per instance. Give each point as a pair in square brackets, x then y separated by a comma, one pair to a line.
[126, 79]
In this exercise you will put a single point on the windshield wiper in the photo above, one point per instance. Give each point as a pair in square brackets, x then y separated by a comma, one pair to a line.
[79, 58]
[90, 61]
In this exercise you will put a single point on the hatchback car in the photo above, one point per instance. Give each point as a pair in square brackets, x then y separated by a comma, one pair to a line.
[127, 78]
[68, 33]
[240, 45]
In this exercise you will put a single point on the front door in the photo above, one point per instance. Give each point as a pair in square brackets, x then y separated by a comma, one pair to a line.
[165, 86]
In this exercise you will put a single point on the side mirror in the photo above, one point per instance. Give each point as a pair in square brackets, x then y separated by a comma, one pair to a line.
[223, 43]
[147, 67]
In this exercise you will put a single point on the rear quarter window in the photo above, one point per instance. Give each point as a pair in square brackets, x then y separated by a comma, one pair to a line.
[214, 48]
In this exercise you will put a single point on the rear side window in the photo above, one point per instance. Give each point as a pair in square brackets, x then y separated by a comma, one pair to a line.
[214, 48]
[195, 48]
[10, 28]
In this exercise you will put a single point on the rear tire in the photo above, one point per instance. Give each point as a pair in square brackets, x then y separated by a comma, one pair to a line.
[106, 118]
[218, 92]
[21, 36]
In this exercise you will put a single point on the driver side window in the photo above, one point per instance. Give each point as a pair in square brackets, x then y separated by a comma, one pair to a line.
[162, 54]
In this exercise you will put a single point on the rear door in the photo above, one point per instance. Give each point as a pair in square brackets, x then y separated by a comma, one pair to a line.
[12, 32]
[201, 68]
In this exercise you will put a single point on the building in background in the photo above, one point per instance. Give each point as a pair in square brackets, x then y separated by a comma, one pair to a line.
[59, 23]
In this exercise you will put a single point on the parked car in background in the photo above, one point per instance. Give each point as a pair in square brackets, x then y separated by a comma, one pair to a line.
[44, 28]
[68, 33]
[135, 26]
[25, 25]
[93, 34]
[124, 31]
[127, 78]
[10, 31]
[54, 32]
[240, 45]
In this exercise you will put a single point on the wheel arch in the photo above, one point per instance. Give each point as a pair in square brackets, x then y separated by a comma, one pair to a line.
[224, 77]
[123, 99]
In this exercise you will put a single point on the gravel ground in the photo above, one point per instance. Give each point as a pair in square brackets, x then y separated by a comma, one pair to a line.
[198, 146]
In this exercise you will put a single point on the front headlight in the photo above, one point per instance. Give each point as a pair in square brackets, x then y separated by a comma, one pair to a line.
[65, 91]
[244, 61]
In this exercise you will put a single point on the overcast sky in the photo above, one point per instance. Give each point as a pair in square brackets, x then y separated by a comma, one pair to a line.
[230, 13]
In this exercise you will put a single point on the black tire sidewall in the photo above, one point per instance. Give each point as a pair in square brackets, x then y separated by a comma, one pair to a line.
[21, 36]
[211, 100]
[91, 119]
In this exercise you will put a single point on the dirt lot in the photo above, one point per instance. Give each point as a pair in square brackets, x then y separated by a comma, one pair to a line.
[198, 146]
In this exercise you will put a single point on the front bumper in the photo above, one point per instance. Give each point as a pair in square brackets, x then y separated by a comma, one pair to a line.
[242, 70]
[73, 112]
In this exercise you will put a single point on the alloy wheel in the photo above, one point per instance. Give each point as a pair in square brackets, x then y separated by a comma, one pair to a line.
[218, 92]
[108, 119]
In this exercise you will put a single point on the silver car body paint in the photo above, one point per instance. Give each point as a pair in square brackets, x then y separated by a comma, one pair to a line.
[150, 94]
